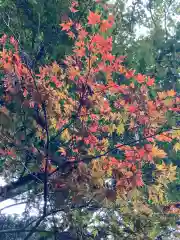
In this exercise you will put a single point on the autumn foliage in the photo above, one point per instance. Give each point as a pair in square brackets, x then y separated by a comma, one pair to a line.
[105, 126]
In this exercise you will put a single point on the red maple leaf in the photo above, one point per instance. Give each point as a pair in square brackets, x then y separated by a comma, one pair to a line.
[81, 52]
[140, 78]
[150, 81]
[108, 57]
[138, 179]
[129, 74]
[56, 81]
[71, 35]
[93, 18]
[82, 34]
[66, 26]
[93, 128]
[105, 25]
[78, 26]
[14, 42]
[73, 10]
[175, 109]
[141, 152]
[3, 39]
[73, 7]
[25, 93]
[75, 4]
[132, 108]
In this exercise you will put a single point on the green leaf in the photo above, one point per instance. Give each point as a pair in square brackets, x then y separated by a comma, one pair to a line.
[95, 232]
[45, 234]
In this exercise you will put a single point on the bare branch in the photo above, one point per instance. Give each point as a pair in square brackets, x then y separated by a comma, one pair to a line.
[23, 230]
[47, 161]
[34, 228]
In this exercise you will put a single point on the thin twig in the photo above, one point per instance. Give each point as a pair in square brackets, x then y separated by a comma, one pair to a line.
[8, 26]
[61, 130]
[150, 10]
[47, 161]
[120, 145]
[34, 228]
[23, 230]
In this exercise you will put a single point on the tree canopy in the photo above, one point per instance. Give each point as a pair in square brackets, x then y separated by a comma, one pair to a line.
[87, 129]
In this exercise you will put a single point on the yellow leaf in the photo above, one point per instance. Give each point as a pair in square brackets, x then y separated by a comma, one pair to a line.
[156, 194]
[97, 174]
[176, 134]
[112, 127]
[119, 116]
[105, 142]
[62, 151]
[120, 129]
[168, 173]
[162, 95]
[161, 167]
[62, 95]
[172, 168]
[159, 153]
[124, 116]
[109, 172]
[168, 102]
[55, 68]
[176, 147]
[65, 135]
[53, 122]
[144, 209]
[91, 152]
[95, 165]
[171, 175]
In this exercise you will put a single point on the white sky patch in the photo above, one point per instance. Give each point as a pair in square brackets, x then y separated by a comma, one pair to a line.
[17, 209]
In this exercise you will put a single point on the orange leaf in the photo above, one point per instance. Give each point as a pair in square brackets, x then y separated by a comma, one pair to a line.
[162, 95]
[105, 25]
[171, 93]
[128, 174]
[159, 153]
[163, 138]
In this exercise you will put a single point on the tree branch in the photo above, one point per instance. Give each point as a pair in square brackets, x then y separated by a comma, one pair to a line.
[23, 230]
[8, 191]
[123, 144]
[47, 161]
[33, 230]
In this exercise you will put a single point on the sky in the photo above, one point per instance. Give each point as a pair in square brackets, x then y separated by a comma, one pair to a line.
[12, 210]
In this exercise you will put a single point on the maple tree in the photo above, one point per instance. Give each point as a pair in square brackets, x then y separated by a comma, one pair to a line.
[87, 125]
